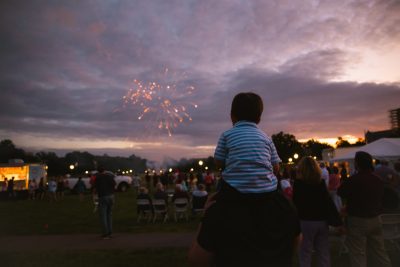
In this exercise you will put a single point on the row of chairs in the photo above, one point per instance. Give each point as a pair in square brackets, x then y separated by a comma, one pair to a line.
[159, 209]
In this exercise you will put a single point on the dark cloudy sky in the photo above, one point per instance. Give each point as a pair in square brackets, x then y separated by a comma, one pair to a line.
[324, 69]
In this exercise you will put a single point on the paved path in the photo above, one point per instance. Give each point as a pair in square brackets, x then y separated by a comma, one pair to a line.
[92, 241]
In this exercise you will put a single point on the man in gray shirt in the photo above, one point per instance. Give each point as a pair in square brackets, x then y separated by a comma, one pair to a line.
[104, 187]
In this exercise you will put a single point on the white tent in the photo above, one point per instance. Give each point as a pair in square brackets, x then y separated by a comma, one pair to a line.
[385, 148]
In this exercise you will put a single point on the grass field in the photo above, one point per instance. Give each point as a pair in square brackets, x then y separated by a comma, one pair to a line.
[173, 257]
[70, 215]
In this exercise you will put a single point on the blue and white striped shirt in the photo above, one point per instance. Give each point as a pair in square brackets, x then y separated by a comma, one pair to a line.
[248, 154]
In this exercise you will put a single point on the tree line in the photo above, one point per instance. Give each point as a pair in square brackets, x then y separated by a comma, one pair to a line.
[81, 161]
[286, 144]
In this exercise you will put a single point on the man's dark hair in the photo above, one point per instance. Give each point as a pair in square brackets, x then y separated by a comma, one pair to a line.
[247, 106]
[101, 169]
[363, 161]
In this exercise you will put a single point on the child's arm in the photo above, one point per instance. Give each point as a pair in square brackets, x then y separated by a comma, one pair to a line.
[275, 168]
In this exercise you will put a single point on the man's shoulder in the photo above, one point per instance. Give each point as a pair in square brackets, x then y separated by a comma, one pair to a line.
[105, 175]
[363, 178]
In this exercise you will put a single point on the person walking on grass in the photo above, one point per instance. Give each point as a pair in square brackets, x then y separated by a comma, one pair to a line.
[248, 222]
[52, 190]
[32, 189]
[10, 188]
[60, 187]
[80, 188]
[104, 187]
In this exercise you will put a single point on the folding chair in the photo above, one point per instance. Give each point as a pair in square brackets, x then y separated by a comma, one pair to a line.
[391, 228]
[181, 208]
[170, 192]
[160, 208]
[144, 209]
[198, 204]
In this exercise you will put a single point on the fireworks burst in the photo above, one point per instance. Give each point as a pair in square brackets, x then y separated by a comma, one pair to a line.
[163, 102]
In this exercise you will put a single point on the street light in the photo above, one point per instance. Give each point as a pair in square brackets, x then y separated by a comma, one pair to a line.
[206, 168]
[201, 162]
[71, 167]
[296, 156]
[170, 169]
[191, 169]
[290, 160]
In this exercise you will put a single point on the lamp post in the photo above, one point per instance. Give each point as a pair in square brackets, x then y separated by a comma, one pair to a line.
[296, 156]
[290, 160]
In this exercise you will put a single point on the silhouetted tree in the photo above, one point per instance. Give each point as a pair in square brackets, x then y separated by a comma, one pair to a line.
[342, 143]
[9, 151]
[314, 148]
[56, 165]
[287, 145]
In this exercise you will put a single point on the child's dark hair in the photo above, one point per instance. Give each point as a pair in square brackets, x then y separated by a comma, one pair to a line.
[247, 106]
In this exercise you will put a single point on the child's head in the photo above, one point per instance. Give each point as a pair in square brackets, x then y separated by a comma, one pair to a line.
[201, 187]
[247, 106]
[308, 170]
[159, 187]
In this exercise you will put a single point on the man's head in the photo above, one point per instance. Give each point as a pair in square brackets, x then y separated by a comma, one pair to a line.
[201, 187]
[363, 161]
[101, 169]
[143, 190]
[247, 106]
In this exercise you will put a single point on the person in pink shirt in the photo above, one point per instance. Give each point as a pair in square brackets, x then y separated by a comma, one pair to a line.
[333, 185]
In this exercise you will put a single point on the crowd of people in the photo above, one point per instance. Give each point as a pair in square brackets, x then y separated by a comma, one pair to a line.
[260, 217]
[52, 189]
[260, 212]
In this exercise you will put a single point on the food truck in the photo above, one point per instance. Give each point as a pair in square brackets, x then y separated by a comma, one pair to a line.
[22, 173]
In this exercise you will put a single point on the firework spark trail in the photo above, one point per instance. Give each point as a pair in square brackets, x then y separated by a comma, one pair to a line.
[163, 102]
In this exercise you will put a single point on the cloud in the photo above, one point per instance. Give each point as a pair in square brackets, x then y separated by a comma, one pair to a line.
[319, 64]
[308, 107]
